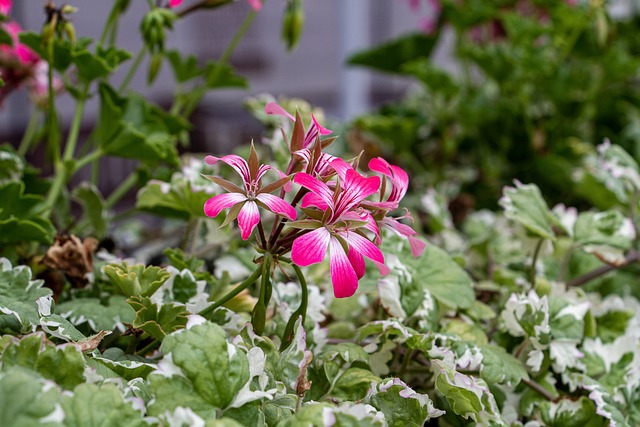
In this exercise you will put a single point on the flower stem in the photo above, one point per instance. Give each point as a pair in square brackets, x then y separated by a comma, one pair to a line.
[64, 168]
[29, 134]
[259, 315]
[133, 70]
[83, 161]
[241, 287]
[532, 270]
[121, 191]
[287, 336]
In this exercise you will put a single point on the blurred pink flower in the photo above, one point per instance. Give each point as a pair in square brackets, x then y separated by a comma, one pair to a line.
[255, 4]
[5, 6]
[175, 3]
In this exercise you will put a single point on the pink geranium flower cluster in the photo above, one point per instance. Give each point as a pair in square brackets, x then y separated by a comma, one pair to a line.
[335, 210]
[20, 65]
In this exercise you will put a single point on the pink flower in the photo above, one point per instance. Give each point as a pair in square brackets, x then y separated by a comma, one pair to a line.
[5, 6]
[315, 129]
[255, 4]
[338, 230]
[18, 51]
[399, 184]
[244, 202]
[175, 3]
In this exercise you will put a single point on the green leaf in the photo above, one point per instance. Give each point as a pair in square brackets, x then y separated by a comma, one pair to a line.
[525, 205]
[200, 370]
[136, 279]
[132, 127]
[612, 324]
[571, 413]
[467, 396]
[100, 406]
[391, 56]
[25, 400]
[500, 367]
[181, 260]
[401, 405]
[125, 365]
[184, 67]
[158, 321]
[98, 315]
[11, 165]
[93, 207]
[63, 365]
[19, 220]
[609, 228]
[18, 296]
[219, 75]
[348, 414]
[436, 272]
[353, 384]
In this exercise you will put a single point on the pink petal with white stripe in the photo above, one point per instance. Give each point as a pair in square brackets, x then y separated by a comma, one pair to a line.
[239, 164]
[248, 218]
[312, 199]
[362, 245]
[274, 108]
[310, 248]
[357, 262]
[214, 205]
[343, 275]
[316, 186]
[277, 205]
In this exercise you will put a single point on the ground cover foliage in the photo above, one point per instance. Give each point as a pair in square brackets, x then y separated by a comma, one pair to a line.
[527, 315]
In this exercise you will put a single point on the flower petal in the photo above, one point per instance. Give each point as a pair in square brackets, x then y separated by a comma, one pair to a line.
[316, 186]
[214, 205]
[343, 275]
[248, 218]
[239, 164]
[255, 4]
[310, 248]
[364, 247]
[312, 199]
[274, 108]
[277, 205]
[357, 262]
[417, 246]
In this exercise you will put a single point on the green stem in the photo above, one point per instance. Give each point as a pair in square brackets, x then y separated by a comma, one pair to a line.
[241, 287]
[259, 314]
[121, 191]
[113, 16]
[133, 70]
[63, 168]
[30, 132]
[83, 161]
[532, 270]
[149, 347]
[287, 336]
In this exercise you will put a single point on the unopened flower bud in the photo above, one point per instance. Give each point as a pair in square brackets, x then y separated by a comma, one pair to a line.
[292, 23]
[155, 64]
[70, 31]
[68, 9]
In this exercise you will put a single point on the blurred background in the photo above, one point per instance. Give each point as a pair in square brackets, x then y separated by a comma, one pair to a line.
[315, 71]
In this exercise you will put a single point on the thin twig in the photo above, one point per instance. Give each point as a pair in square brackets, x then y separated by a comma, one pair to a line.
[601, 271]
[543, 391]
